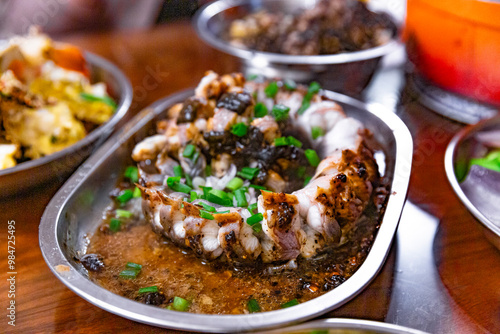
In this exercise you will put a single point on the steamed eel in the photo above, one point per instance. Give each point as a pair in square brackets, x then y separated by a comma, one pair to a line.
[274, 226]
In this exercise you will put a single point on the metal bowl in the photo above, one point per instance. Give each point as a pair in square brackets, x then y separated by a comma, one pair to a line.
[347, 73]
[58, 166]
[75, 213]
[345, 326]
[478, 188]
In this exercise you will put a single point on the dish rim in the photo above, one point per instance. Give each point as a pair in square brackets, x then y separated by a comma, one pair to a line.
[122, 107]
[99, 296]
[208, 11]
[449, 156]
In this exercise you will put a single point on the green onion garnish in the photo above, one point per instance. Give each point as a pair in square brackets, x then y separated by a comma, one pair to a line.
[490, 161]
[208, 170]
[241, 200]
[211, 197]
[254, 219]
[125, 196]
[132, 173]
[260, 110]
[123, 213]
[221, 212]
[280, 141]
[291, 303]
[253, 306]
[290, 85]
[206, 190]
[292, 141]
[307, 180]
[129, 274]
[193, 195]
[92, 98]
[207, 207]
[257, 187]
[206, 215]
[301, 171]
[252, 77]
[312, 157]
[136, 193]
[180, 304]
[148, 289]
[188, 151]
[132, 265]
[252, 207]
[272, 89]
[234, 184]
[248, 173]
[317, 131]
[178, 171]
[239, 129]
[115, 224]
[314, 88]
[189, 181]
[280, 112]
[173, 182]
[195, 157]
[257, 227]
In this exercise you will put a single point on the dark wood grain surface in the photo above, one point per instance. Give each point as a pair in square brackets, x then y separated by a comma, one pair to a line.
[170, 58]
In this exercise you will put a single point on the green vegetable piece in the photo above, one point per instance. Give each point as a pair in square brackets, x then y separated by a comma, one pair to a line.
[272, 89]
[206, 215]
[257, 227]
[280, 112]
[178, 171]
[148, 289]
[180, 304]
[252, 77]
[260, 110]
[221, 212]
[280, 141]
[312, 157]
[132, 173]
[317, 131]
[248, 173]
[254, 219]
[291, 303]
[257, 187]
[123, 213]
[124, 196]
[92, 98]
[292, 141]
[115, 224]
[241, 200]
[239, 129]
[136, 193]
[207, 207]
[252, 207]
[193, 195]
[208, 170]
[307, 180]
[253, 306]
[234, 184]
[290, 84]
[134, 266]
[128, 274]
[188, 151]
[301, 171]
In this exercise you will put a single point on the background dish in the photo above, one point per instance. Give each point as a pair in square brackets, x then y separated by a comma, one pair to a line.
[480, 198]
[345, 72]
[75, 212]
[58, 166]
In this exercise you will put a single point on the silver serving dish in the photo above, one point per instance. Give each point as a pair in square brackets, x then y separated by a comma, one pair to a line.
[344, 72]
[58, 166]
[345, 326]
[478, 188]
[75, 212]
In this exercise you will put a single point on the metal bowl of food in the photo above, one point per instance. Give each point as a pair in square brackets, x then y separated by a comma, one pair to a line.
[348, 71]
[75, 214]
[346, 326]
[472, 164]
[42, 167]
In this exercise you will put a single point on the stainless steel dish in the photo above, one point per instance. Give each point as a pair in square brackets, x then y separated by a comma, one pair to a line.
[346, 73]
[345, 326]
[482, 196]
[58, 166]
[75, 212]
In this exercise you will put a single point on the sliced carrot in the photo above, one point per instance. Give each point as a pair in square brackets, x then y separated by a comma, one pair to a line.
[69, 57]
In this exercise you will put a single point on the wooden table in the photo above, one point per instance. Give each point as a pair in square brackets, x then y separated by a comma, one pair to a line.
[169, 58]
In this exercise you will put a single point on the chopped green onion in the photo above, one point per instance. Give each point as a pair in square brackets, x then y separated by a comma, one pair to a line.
[272, 89]
[252, 207]
[115, 224]
[301, 171]
[221, 212]
[92, 98]
[180, 304]
[280, 141]
[239, 129]
[248, 173]
[206, 215]
[307, 180]
[195, 157]
[136, 193]
[320, 331]
[208, 170]
[260, 110]
[123, 213]
[207, 207]
[206, 190]
[292, 141]
[132, 265]
[173, 182]
[490, 161]
[291, 303]
[317, 131]
[219, 200]
[254, 219]
[314, 88]
[253, 306]
[148, 289]
[234, 184]
[258, 187]
[240, 198]
[193, 195]
[304, 106]
[125, 196]
[189, 181]
[280, 112]
[252, 77]
[178, 171]
[290, 85]
[188, 151]
[312, 157]
[257, 227]
[129, 274]
[132, 173]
